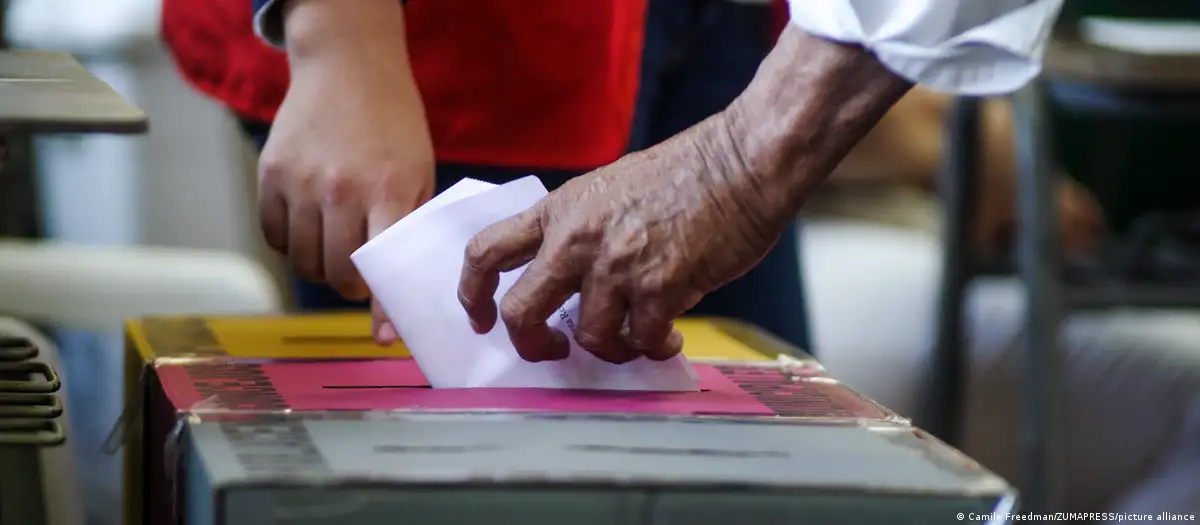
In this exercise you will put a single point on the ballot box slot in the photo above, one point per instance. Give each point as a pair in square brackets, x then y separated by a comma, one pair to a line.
[388, 387]
[327, 339]
[673, 451]
[371, 387]
[436, 449]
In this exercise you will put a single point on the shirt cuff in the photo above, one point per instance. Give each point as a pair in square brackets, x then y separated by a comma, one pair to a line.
[963, 47]
[268, 21]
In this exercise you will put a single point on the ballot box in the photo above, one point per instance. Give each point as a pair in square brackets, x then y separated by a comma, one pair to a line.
[785, 388]
[352, 468]
[243, 398]
[303, 420]
[257, 341]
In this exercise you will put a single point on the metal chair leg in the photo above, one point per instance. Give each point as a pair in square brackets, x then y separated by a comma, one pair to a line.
[941, 409]
[1041, 435]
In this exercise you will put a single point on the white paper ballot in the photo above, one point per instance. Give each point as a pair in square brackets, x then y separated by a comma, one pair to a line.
[413, 269]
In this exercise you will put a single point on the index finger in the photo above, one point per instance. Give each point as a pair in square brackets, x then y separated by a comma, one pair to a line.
[525, 308]
[501, 247]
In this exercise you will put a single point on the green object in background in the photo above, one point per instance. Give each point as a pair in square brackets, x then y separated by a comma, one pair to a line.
[1134, 165]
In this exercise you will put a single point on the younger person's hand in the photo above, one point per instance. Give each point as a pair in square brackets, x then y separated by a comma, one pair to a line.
[349, 152]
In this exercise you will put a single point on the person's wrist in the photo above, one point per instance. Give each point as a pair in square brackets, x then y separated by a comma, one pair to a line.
[326, 32]
[811, 101]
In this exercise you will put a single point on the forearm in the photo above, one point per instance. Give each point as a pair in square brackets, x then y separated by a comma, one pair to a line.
[811, 101]
[903, 149]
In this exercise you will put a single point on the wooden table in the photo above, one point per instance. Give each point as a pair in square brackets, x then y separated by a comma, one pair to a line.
[47, 92]
[1080, 77]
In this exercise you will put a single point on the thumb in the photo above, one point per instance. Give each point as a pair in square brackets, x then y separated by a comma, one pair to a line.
[381, 327]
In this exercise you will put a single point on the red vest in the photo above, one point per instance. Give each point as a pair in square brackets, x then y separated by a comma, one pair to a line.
[521, 83]
[781, 17]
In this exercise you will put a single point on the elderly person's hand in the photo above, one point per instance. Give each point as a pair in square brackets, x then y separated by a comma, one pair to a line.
[643, 239]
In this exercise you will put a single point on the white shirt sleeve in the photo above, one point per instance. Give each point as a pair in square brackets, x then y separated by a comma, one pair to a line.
[965, 47]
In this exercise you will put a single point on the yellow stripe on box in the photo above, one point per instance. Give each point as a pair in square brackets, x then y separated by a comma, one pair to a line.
[343, 335]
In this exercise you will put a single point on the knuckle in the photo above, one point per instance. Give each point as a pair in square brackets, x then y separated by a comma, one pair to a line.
[590, 339]
[560, 255]
[643, 343]
[603, 266]
[466, 300]
[620, 259]
[638, 340]
[341, 187]
[514, 313]
[270, 172]
[477, 304]
[475, 255]
[578, 236]
[648, 291]
[583, 231]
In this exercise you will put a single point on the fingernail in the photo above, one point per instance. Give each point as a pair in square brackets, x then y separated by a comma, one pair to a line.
[386, 335]
[477, 327]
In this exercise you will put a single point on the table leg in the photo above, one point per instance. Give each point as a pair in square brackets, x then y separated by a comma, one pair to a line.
[1041, 435]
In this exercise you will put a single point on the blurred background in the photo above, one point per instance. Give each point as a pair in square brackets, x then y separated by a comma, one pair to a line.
[1127, 186]
[188, 184]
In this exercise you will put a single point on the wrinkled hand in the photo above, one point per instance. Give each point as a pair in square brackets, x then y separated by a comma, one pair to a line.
[642, 240]
[349, 155]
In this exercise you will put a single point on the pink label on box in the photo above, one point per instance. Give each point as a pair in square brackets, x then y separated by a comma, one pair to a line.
[397, 384]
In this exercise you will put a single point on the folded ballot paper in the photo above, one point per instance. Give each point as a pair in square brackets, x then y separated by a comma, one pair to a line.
[413, 269]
